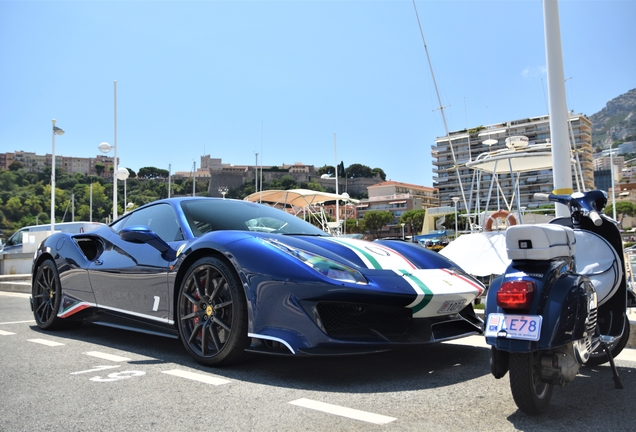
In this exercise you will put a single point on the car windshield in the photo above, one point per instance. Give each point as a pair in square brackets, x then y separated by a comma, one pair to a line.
[208, 215]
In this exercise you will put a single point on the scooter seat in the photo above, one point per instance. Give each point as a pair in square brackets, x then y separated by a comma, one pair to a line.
[540, 242]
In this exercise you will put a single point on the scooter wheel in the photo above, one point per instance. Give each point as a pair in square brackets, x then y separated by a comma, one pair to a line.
[599, 356]
[531, 395]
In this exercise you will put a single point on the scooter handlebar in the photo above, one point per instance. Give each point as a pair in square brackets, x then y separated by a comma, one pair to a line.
[596, 218]
[539, 196]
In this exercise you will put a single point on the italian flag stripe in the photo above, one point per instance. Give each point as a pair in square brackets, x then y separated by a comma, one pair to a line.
[424, 294]
[364, 255]
[75, 308]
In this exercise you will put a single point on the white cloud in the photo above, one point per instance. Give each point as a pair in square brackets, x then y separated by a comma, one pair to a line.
[532, 72]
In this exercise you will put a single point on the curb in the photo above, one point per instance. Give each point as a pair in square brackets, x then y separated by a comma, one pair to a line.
[16, 283]
[631, 343]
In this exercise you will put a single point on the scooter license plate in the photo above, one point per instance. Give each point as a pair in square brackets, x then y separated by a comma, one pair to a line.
[524, 327]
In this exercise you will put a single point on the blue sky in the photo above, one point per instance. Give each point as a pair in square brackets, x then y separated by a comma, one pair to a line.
[280, 78]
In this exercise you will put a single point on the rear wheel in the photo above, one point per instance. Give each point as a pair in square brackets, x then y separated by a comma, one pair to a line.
[599, 356]
[212, 314]
[47, 296]
[531, 395]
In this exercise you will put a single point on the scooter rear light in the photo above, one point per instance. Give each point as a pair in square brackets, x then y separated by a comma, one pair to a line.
[516, 294]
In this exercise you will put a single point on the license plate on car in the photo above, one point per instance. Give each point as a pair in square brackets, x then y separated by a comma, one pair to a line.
[451, 306]
[524, 327]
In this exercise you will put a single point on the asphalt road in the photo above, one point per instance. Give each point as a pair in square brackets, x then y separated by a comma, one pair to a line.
[102, 379]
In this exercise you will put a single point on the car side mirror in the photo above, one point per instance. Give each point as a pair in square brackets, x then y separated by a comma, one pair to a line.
[141, 234]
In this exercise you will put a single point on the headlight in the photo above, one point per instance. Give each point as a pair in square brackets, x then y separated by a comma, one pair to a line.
[322, 265]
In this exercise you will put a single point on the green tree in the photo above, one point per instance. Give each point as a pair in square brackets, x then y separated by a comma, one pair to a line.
[312, 186]
[100, 168]
[623, 208]
[374, 220]
[13, 208]
[326, 169]
[358, 170]
[353, 226]
[287, 182]
[414, 219]
[380, 172]
[152, 172]
[133, 174]
[15, 166]
[7, 180]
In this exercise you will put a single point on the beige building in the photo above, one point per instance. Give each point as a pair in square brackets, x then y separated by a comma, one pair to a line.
[34, 163]
[398, 198]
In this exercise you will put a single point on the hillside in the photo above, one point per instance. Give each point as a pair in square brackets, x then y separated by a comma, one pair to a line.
[618, 118]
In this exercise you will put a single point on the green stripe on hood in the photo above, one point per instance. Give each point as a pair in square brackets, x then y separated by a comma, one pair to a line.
[428, 294]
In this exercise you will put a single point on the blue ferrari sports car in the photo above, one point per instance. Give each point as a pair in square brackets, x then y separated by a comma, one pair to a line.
[231, 277]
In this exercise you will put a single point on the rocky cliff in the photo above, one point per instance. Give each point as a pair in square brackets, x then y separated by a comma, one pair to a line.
[618, 118]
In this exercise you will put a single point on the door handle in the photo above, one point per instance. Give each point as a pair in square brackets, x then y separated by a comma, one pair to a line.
[98, 262]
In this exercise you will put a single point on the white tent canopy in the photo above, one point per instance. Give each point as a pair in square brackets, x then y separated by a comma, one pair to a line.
[479, 254]
[305, 200]
[530, 158]
[297, 197]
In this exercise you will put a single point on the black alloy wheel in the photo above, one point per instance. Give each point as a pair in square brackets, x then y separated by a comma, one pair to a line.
[531, 395]
[47, 296]
[212, 314]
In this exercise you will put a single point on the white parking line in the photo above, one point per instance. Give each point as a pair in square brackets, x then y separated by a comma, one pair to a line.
[95, 369]
[207, 379]
[5, 333]
[46, 342]
[106, 356]
[16, 322]
[343, 412]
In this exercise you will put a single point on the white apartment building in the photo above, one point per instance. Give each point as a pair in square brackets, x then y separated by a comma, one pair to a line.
[467, 144]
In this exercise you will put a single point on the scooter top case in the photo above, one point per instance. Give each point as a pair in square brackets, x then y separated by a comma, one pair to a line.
[540, 302]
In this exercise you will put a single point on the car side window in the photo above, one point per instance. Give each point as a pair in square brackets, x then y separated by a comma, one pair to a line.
[160, 218]
[15, 239]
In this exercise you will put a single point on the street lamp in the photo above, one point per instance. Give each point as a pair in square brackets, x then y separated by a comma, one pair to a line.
[455, 200]
[105, 148]
[223, 191]
[611, 152]
[56, 131]
[123, 174]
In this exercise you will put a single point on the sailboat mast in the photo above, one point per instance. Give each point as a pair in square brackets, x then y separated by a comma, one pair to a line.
[441, 108]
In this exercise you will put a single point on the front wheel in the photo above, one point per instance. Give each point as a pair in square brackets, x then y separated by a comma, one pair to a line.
[531, 395]
[47, 296]
[599, 356]
[212, 313]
